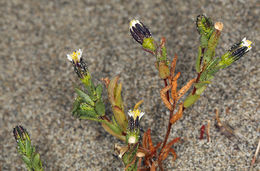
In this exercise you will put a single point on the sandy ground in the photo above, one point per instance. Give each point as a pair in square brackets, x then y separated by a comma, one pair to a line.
[37, 82]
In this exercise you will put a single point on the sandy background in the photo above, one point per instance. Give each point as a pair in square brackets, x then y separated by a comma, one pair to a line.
[37, 82]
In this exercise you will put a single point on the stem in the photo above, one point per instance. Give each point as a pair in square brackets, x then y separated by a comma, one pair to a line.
[197, 80]
[105, 118]
[169, 123]
[149, 51]
[198, 76]
[168, 130]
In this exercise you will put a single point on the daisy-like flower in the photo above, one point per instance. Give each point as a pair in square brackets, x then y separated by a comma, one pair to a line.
[80, 67]
[235, 52]
[246, 43]
[133, 124]
[139, 31]
[135, 114]
[75, 56]
[240, 49]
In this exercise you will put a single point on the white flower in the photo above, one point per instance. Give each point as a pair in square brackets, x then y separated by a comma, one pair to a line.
[75, 56]
[133, 23]
[136, 113]
[246, 43]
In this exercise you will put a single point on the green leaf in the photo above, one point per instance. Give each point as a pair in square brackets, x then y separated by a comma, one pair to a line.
[76, 104]
[27, 161]
[99, 90]
[84, 96]
[28, 148]
[164, 53]
[90, 118]
[111, 90]
[204, 24]
[100, 108]
[190, 100]
[118, 97]
[114, 121]
[209, 55]
[113, 127]
[21, 147]
[213, 63]
[89, 113]
[113, 130]
[203, 41]
[128, 158]
[200, 90]
[202, 83]
[36, 162]
[120, 117]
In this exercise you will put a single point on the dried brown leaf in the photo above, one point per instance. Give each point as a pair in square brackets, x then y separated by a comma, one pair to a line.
[175, 140]
[166, 149]
[174, 154]
[184, 89]
[106, 81]
[173, 64]
[177, 115]
[174, 86]
[164, 97]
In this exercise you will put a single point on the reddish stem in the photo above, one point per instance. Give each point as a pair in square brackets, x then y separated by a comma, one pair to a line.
[105, 118]
[197, 80]
[202, 131]
[169, 123]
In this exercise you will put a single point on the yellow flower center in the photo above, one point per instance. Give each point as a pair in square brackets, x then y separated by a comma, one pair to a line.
[136, 113]
[75, 56]
[246, 43]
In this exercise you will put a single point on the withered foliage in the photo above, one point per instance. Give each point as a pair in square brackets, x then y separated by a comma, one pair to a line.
[156, 154]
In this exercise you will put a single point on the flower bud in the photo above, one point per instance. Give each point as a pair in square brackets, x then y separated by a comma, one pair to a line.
[204, 24]
[139, 31]
[142, 35]
[20, 134]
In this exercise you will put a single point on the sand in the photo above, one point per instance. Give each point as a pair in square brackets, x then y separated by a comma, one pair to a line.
[37, 81]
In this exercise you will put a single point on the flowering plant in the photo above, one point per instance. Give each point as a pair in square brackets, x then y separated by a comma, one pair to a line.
[139, 152]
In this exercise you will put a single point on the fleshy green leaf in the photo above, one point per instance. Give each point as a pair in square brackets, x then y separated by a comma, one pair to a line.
[200, 90]
[28, 148]
[111, 90]
[203, 41]
[120, 117]
[84, 96]
[164, 53]
[202, 83]
[89, 113]
[190, 100]
[36, 162]
[99, 90]
[27, 161]
[100, 108]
